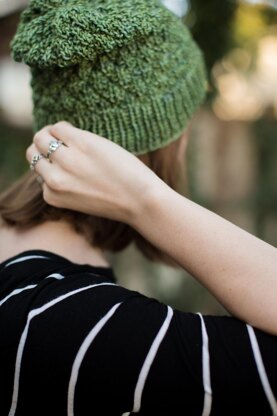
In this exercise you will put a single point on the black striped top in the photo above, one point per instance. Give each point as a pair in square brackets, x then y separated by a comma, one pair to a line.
[74, 342]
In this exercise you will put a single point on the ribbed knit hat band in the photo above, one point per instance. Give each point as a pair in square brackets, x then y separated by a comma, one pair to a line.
[127, 70]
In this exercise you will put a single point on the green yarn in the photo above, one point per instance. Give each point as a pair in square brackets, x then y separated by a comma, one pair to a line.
[127, 70]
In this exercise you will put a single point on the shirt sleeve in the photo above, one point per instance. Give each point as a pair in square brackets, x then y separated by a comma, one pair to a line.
[102, 349]
[156, 360]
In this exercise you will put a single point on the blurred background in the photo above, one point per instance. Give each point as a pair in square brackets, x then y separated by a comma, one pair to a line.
[231, 160]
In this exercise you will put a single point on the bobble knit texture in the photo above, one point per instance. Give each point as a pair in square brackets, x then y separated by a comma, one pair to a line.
[127, 70]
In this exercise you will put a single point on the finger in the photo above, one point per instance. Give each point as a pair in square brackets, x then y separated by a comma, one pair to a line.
[68, 133]
[31, 151]
[42, 166]
[42, 141]
[52, 174]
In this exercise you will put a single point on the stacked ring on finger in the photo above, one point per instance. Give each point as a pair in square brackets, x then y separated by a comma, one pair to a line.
[53, 146]
[35, 160]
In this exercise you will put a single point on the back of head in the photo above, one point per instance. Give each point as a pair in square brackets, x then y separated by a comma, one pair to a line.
[127, 70]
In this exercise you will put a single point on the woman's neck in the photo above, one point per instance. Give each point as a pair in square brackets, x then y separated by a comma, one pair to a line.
[54, 236]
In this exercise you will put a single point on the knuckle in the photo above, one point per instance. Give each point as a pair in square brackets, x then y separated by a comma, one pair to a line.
[28, 153]
[57, 182]
[61, 123]
[57, 127]
[36, 138]
[49, 196]
[46, 193]
[54, 182]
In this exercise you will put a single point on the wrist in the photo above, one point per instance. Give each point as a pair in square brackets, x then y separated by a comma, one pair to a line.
[147, 203]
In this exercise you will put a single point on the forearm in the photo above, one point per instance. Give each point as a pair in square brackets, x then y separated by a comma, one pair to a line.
[238, 268]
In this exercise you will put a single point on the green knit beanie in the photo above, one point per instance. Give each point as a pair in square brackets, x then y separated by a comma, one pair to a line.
[127, 70]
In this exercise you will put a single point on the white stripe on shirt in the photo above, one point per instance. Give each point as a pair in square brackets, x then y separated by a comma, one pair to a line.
[16, 292]
[206, 369]
[22, 289]
[261, 370]
[57, 276]
[31, 315]
[80, 356]
[20, 259]
[149, 361]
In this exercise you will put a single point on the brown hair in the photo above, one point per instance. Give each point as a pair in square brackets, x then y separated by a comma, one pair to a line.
[22, 206]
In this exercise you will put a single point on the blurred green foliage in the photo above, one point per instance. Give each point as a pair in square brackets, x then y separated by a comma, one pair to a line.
[211, 23]
[218, 26]
[14, 142]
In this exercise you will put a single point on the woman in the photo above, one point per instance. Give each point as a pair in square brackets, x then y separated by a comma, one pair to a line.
[73, 341]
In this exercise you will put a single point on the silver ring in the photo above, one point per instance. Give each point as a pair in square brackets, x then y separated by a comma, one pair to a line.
[53, 146]
[35, 160]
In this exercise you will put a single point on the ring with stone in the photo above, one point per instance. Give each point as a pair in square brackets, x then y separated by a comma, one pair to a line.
[53, 146]
[35, 160]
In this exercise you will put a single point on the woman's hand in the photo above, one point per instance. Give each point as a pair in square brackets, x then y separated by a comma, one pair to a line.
[91, 174]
